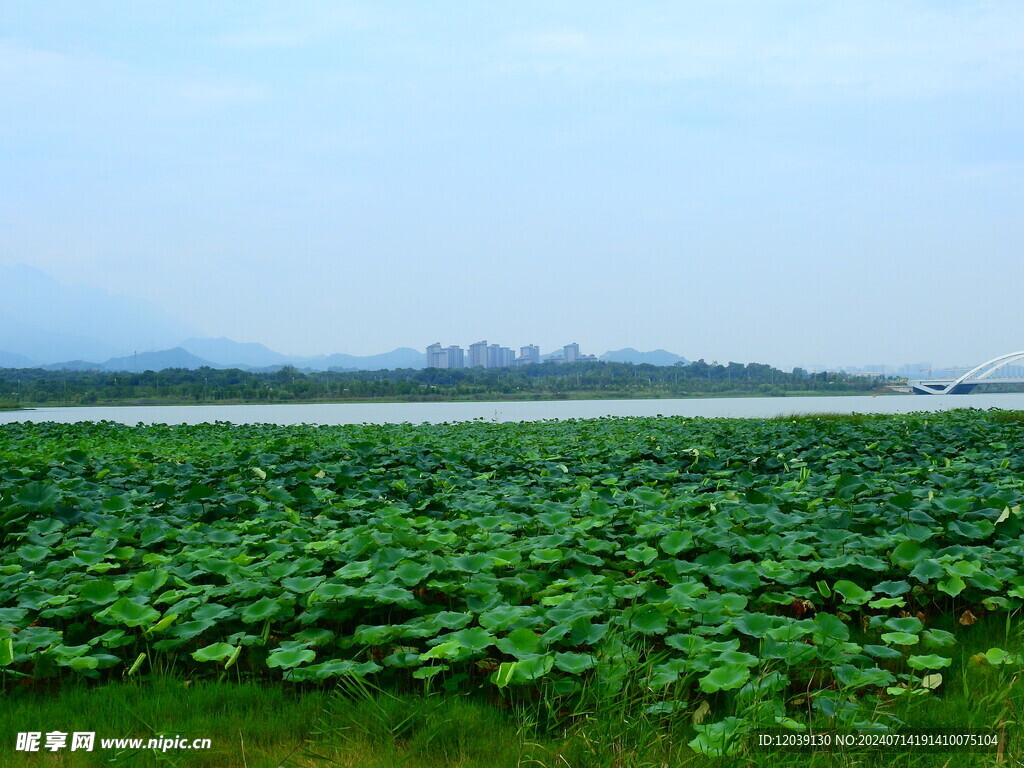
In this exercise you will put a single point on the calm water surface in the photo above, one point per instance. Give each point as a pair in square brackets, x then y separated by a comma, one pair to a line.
[415, 413]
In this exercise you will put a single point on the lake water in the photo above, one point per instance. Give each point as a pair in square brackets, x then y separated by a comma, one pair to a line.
[385, 413]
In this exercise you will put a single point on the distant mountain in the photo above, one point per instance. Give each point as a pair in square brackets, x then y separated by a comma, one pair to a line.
[630, 355]
[42, 345]
[47, 321]
[226, 353]
[234, 354]
[73, 365]
[403, 357]
[157, 361]
[11, 360]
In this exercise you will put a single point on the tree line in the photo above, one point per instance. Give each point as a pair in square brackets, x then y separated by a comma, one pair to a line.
[543, 380]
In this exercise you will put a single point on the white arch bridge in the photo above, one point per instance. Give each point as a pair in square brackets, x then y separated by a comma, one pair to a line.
[993, 372]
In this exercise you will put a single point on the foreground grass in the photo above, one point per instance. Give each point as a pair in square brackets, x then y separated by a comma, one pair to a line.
[261, 726]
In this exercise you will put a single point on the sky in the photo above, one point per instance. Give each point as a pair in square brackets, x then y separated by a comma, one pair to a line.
[795, 182]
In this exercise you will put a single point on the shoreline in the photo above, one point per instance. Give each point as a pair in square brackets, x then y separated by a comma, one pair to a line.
[496, 398]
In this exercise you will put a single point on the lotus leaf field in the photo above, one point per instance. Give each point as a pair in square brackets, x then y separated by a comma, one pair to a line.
[764, 570]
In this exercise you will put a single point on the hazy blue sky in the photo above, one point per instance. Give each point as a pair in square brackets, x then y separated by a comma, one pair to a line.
[794, 182]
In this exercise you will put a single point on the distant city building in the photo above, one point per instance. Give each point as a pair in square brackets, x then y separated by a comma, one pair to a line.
[484, 355]
[478, 355]
[456, 356]
[437, 357]
[499, 356]
[529, 354]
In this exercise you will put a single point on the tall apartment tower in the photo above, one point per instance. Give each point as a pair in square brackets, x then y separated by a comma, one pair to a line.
[437, 357]
[478, 355]
[571, 352]
[456, 356]
[529, 354]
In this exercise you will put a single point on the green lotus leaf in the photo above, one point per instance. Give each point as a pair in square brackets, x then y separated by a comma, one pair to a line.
[900, 638]
[98, 591]
[547, 555]
[334, 668]
[961, 568]
[425, 673]
[503, 617]
[39, 495]
[262, 609]
[742, 577]
[355, 570]
[753, 624]
[931, 661]
[450, 619]
[719, 739]
[555, 520]
[129, 613]
[220, 536]
[474, 638]
[909, 553]
[214, 652]
[521, 643]
[852, 594]
[647, 619]
[676, 542]
[377, 634]
[951, 585]
[908, 624]
[150, 581]
[882, 652]
[335, 591]
[574, 663]
[648, 496]
[301, 584]
[667, 672]
[292, 657]
[986, 582]
[971, 531]
[585, 633]
[642, 554]
[892, 588]
[1002, 656]
[81, 663]
[726, 677]
[829, 629]
[6, 651]
[885, 603]
[926, 570]
[33, 553]
[474, 563]
[529, 669]
[854, 677]
[737, 657]
[198, 493]
[212, 612]
[938, 638]
[411, 573]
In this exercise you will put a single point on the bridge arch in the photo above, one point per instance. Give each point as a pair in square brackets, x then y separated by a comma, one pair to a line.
[985, 370]
[968, 381]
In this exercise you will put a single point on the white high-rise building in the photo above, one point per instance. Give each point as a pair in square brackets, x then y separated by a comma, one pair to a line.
[478, 355]
[571, 353]
[529, 354]
[437, 357]
[456, 356]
